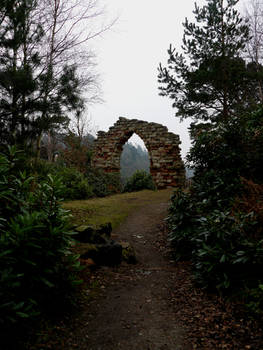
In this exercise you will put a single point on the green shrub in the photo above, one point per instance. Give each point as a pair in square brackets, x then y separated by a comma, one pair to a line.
[218, 224]
[37, 267]
[40, 168]
[181, 220]
[232, 148]
[227, 256]
[254, 297]
[140, 180]
[103, 184]
[76, 186]
[226, 253]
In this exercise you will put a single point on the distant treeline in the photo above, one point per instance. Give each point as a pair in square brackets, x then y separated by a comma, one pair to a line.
[133, 158]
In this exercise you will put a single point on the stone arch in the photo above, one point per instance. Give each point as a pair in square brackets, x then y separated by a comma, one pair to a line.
[166, 165]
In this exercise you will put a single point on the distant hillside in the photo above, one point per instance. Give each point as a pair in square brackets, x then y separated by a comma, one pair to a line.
[133, 158]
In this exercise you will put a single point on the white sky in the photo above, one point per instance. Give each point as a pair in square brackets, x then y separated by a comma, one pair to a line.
[128, 56]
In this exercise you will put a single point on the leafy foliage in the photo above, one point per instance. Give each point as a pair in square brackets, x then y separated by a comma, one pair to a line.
[224, 252]
[38, 269]
[181, 220]
[255, 299]
[210, 80]
[103, 184]
[76, 184]
[140, 180]
[218, 223]
[226, 255]
[232, 148]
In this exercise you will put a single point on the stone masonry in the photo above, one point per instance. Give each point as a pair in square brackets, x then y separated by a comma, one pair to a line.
[166, 165]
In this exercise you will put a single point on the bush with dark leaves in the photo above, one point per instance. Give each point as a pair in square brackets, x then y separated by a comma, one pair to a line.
[38, 270]
[140, 180]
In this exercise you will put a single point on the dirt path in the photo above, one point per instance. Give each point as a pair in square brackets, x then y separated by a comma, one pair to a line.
[127, 307]
[136, 313]
[153, 305]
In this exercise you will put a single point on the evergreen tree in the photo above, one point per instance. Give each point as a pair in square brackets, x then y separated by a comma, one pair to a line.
[19, 35]
[33, 99]
[210, 80]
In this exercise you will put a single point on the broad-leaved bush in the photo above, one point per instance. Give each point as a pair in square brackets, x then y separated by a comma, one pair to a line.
[140, 180]
[218, 222]
[38, 269]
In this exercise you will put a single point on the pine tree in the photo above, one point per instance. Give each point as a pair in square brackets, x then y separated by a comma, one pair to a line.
[33, 99]
[210, 80]
[18, 60]
[45, 66]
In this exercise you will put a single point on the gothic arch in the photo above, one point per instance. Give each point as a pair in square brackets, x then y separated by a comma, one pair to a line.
[166, 166]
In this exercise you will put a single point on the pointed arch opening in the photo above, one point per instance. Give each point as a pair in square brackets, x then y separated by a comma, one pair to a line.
[134, 156]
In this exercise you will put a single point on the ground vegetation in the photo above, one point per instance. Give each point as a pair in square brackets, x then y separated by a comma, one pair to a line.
[217, 222]
[140, 180]
[38, 269]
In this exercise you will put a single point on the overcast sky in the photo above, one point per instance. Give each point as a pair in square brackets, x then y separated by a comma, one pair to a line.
[128, 56]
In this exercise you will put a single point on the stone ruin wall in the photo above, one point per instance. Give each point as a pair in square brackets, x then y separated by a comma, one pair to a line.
[166, 165]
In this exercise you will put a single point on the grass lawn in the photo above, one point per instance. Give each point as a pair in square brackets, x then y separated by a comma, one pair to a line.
[114, 209]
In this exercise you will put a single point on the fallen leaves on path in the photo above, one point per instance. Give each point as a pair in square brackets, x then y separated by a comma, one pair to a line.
[211, 322]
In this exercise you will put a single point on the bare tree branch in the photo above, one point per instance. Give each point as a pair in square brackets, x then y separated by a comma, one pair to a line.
[254, 14]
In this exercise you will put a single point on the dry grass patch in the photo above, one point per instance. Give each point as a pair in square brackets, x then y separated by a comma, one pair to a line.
[114, 209]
